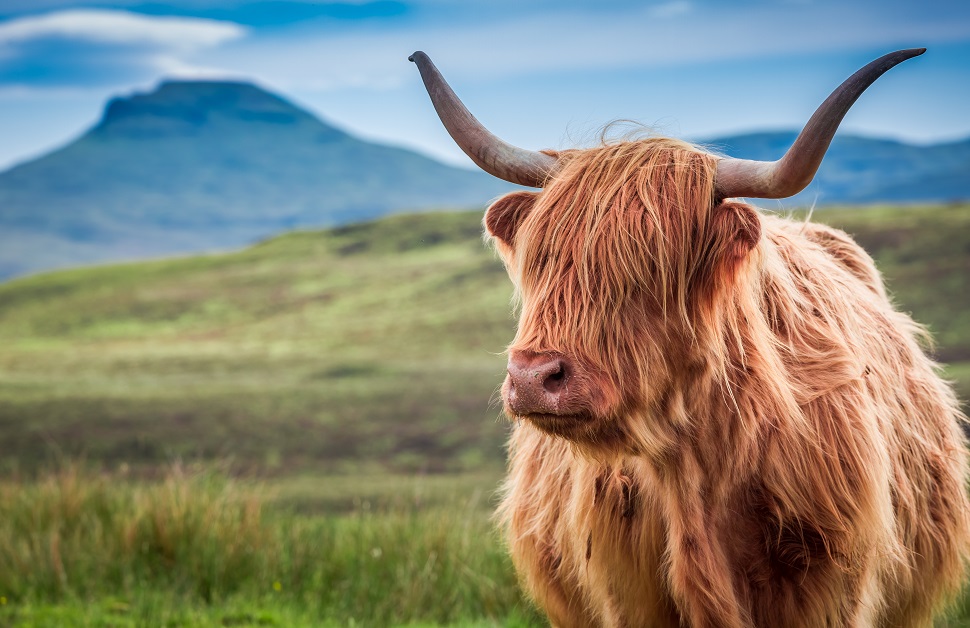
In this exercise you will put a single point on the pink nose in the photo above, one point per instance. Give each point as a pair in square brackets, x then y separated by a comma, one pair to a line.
[538, 383]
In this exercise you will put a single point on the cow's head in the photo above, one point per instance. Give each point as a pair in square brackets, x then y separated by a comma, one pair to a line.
[623, 251]
[612, 262]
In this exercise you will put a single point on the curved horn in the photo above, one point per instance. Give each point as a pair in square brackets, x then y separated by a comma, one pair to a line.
[792, 173]
[492, 155]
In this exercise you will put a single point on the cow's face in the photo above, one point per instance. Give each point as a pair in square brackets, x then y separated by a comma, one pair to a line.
[614, 261]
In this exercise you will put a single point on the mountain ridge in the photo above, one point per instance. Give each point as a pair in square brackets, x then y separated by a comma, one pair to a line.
[212, 165]
[187, 105]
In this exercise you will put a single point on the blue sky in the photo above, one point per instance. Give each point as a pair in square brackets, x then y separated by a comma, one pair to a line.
[539, 73]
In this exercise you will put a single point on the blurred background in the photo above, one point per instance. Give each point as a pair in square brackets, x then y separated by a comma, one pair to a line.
[250, 338]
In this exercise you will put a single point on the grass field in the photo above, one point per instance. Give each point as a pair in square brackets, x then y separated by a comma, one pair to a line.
[196, 548]
[350, 372]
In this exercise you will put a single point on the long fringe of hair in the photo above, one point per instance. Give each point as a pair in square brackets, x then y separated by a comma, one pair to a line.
[731, 348]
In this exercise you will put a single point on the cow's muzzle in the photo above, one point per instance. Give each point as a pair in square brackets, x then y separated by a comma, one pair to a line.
[543, 384]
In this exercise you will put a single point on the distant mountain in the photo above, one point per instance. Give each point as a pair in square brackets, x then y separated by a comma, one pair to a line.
[201, 165]
[207, 165]
[866, 170]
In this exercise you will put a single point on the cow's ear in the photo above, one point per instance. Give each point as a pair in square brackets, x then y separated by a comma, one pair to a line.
[735, 231]
[503, 217]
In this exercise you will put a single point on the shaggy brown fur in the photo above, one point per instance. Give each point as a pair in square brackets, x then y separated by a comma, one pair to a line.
[764, 441]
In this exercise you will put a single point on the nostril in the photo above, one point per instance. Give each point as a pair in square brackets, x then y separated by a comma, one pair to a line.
[539, 383]
[556, 380]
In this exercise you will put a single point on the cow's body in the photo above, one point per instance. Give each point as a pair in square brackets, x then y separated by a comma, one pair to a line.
[691, 538]
[721, 421]
[791, 459]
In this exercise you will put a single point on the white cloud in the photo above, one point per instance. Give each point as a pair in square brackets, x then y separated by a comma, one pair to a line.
[120, 28]
[172, 66]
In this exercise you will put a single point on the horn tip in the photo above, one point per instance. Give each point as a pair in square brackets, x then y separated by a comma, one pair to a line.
[909, 53]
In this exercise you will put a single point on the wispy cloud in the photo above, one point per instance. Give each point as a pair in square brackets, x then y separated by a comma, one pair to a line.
[120, 27]
[104, 47]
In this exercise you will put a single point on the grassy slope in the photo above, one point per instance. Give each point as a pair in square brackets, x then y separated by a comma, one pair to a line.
[361, 349]
[377, 342]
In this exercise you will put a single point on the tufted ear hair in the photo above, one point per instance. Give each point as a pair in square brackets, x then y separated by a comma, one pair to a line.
[739, 227]
[503, 217]
[734, 230]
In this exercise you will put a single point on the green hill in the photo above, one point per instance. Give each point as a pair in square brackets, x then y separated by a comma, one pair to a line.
[371, 347]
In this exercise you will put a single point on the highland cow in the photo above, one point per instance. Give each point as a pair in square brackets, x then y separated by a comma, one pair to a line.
[720, 419]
